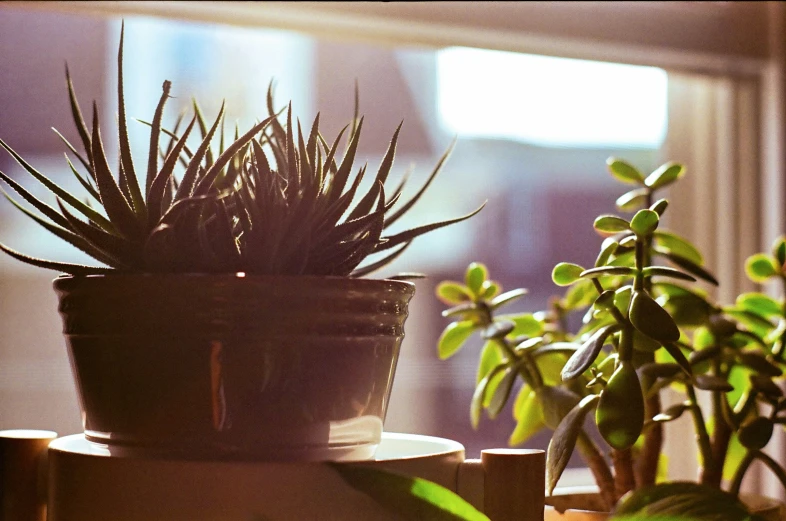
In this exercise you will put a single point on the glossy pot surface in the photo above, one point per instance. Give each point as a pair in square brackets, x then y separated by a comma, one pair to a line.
[233, 366]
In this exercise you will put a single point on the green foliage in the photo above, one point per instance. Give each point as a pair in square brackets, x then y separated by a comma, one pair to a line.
[646, 327]
[272, 201]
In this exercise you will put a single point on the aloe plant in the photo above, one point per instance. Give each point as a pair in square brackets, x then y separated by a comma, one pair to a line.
[646, 327]
[269, 202]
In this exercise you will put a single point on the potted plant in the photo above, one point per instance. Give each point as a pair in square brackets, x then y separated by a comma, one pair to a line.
[231, 318]
[645, 327]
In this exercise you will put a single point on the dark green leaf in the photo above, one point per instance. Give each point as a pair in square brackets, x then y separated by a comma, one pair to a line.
[502, 391]
[709, 382]
[659, 206]
[585, 356]
[687, 500]
[662, 271]
[498, 329]
[650, 318]
[620, 412]
[479, 397]
[668, 242]
[410, 234]
[73, 269]
[606, 271]
[756, 433]
[759, 363]
[779, 250]
[678, 356]
[671, 413]
[564, 440]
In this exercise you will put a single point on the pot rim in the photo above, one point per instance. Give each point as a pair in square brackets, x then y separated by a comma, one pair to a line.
[65, 280]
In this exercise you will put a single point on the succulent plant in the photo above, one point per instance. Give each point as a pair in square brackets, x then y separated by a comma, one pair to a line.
[263, 204]
[645, 328]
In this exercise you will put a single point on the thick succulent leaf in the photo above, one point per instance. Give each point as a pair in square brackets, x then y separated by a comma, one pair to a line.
[507, 297]
[659, 206]
[490, 357]
[755, 433]
[620, 410]
[115, 204]
[779, 250]
[415, 198]
[759, 363]
[608, 248]
[557, 402]
[367, 202]
[664, 175]
[190, 176]
[79, 156]
[155, 133]
[671, 413]
[624, 171]
[611, 224]
[644, 222]
[660, 370]
[564, 440]
[127, 164]
[566, 273]
[59, 192]
[498, 329]
[342, 174]
[585, 356]
[381, 263]
[157, 189]
[760, 304]
[668, 242]
[453, 337]
[475, 276]
[650, 318]
[686, 500]
[502, 391]
[528, 415]
[63, 267]
[679, 357]
[480, 397]
[407, 497]
[42, 207]
[632, 200]
[709, 382]
[410, 234]
[79, 121]
[663, 271]
[761, 267]
[86, 184]
[608, 271]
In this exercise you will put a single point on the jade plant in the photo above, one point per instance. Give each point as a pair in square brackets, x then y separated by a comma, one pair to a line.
[270, 201]
[644, 327]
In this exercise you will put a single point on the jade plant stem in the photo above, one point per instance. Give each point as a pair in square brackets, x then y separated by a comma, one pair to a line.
[721, 436]
[599, 468]
[705, 448]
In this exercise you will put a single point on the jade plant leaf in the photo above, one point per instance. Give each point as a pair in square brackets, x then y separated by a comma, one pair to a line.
[410, 498]
[632, 200]
[566, 273]
[760, 304]
[611, 224]
[490, 357]
[664, 175]
[644, 222]
[528, 415]
[672, 243]
[755, 434]
[452, 293]
[620, 412]
[585, 356]
[564, 440]
[684, 499]
[779, 250]
[761, 267]
[507, 297]
[650, 318]
[453, 337]
[624, 171]
[475, 276]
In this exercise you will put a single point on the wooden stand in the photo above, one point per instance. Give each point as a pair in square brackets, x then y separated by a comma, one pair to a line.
[23, 474]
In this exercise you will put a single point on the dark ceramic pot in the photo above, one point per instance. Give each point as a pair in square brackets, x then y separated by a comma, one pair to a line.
[233, 366]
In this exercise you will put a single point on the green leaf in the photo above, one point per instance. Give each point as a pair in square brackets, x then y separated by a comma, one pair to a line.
[668, 242]
[490, 357]
[632, 200]
[452, 293]
[491, 289]
[580, 294]
[565, 273]
[685, 499]
[679, 357]
[528, 415]
[709, 382]
[624, 171]
[607, 249]
[759, 363]
[755, 433]
[663, 271]
[608, 271]
[671, 413]
[779, 250]
[760, 267]
[556, 402]
[453, 337]
[502, 391]
[760, 304]
[479, 399]
[659, 206]
[644, 222]
[73, 269]
[508, 296]
[664, 175]
[407, 497]
[564, 440]
[585, 356]
[611, 224]
[499, 328]
[620, 412]
[650, 318]
[526, 324]
[476, 275]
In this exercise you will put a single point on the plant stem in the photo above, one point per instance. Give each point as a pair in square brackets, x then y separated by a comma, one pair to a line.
[647, 469]
[736, 482]
[599, 468]
[624, 479]
[721, 436]
[705, 448]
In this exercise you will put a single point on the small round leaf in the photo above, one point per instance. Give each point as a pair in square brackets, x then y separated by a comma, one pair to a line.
[756, 433]
[624, 171]
[760, 267]
[475, 277]
[565, 273]
[779, 250]
[452, 293]
[664, 175]
[644, 222]
[453, 337]
[611, 224]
